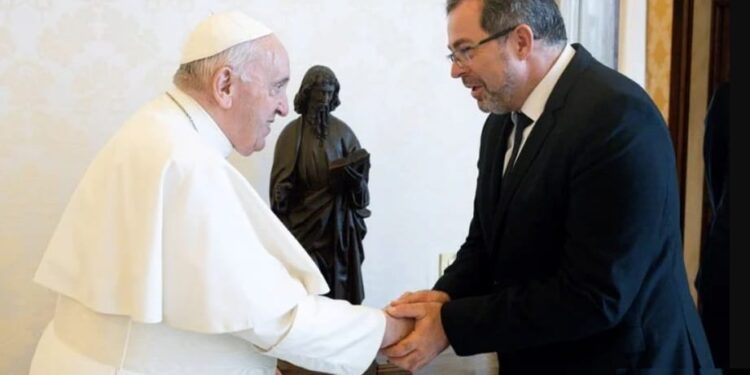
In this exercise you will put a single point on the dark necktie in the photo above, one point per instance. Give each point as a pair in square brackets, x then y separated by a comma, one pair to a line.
[520, 121]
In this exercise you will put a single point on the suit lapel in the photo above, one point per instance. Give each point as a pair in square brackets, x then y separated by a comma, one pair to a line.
[496, 167]
[509, 183]
[539, 134]
[525, 158]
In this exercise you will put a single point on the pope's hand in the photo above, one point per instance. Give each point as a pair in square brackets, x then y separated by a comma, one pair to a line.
[396, 329]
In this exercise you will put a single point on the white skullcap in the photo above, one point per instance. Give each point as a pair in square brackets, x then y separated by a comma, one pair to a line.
[219, 32]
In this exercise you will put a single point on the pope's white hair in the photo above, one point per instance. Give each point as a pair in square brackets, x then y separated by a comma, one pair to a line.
[196, 75]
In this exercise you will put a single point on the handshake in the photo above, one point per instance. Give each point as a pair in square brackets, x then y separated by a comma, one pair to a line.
[414, 332]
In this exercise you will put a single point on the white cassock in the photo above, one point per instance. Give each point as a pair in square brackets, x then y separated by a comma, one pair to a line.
[167, 261]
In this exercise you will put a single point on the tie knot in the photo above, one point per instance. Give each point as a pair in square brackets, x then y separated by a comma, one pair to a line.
[520, 120]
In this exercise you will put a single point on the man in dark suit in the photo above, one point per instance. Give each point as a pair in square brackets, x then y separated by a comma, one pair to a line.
[573, 262]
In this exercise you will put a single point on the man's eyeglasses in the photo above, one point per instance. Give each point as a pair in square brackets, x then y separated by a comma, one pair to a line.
[464, 54]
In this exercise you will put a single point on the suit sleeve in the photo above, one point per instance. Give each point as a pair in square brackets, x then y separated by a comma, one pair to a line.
[621, 194]
[467, 275]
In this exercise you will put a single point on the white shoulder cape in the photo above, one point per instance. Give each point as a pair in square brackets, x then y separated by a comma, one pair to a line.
[163, 229]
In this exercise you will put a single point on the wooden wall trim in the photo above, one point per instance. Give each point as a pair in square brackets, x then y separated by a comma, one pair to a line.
[679, 95]
[720, 45]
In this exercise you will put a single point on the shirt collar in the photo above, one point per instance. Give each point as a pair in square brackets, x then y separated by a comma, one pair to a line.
[534, 104]
[207, 128]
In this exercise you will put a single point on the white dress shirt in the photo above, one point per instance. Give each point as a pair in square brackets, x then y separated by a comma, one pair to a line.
[534, 104]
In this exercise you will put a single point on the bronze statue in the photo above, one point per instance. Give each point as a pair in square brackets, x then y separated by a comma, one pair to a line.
[319, 185]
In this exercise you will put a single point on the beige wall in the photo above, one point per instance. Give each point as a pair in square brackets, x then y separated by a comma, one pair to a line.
[659, 50]
[659, 44]
[696, 116]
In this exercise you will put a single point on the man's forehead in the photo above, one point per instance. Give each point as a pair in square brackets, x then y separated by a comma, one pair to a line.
[464, 23]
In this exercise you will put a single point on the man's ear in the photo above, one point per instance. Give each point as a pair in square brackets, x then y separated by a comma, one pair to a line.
[523, 41]
[222, 87]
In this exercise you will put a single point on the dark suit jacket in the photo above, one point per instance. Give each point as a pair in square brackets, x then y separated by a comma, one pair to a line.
[574, 259]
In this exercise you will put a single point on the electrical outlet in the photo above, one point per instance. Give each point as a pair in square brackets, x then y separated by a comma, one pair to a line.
[445, 260]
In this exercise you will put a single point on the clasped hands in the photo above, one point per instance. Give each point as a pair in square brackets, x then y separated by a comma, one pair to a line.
[414, 333]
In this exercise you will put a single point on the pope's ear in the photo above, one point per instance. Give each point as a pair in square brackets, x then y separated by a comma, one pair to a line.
[222, 87]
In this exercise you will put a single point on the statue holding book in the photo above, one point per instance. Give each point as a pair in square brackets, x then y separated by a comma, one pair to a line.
[319, 185]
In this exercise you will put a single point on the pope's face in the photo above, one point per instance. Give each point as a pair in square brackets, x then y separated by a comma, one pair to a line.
[261, 97]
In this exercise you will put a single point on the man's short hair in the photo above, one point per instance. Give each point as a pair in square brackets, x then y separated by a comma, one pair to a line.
[543, 16]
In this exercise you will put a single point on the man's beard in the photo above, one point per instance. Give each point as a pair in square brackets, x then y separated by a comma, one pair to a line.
[499, 101]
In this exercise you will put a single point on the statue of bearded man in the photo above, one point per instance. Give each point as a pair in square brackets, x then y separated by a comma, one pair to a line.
[319, 185]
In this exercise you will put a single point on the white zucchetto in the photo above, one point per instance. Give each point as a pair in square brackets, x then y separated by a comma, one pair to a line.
[219, 32]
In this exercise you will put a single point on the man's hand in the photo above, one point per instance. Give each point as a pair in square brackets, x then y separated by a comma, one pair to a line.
[396, 329]
[422, 296]
[426, 341]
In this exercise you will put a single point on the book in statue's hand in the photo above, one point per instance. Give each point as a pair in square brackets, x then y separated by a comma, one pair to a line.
[358, 157]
